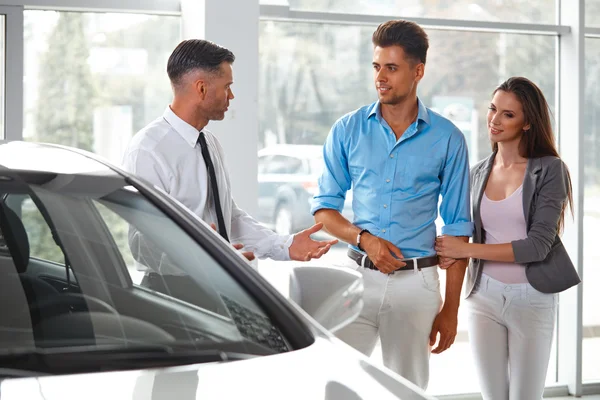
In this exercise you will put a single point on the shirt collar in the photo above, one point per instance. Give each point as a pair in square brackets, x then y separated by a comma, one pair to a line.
[185, 130]
[423, 114]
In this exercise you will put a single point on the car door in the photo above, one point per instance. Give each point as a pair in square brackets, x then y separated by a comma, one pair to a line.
[272, 182]
[266, 196]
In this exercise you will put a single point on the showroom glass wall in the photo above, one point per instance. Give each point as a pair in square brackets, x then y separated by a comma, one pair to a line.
[107, 69]
[591, 217]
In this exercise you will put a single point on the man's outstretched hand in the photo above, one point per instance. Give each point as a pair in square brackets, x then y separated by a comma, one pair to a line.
[304, 248]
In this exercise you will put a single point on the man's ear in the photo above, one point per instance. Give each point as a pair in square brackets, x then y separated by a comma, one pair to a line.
[201, 88]
[419, 71]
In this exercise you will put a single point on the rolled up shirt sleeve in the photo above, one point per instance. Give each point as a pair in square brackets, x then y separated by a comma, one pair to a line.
[455, 208]
[335, 179]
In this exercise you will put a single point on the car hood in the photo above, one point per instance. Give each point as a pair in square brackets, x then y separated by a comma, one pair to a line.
[327, 370]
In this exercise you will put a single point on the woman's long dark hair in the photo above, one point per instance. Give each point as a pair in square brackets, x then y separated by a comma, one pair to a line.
[538, 141]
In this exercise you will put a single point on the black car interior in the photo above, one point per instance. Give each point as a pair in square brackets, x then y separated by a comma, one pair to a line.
[42, 304]
[62, 316]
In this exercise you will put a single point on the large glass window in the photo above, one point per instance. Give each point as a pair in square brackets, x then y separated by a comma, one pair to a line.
[591, 212]
[535, 11]
[592, 13]
[93, 79]
[312, 74]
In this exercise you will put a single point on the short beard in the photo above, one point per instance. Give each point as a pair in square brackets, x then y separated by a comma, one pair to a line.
[217, 116]
[394, 100]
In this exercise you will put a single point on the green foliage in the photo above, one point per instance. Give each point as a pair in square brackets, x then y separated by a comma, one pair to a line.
[41, 243]
[312, 74]
[64, 113]
[147, 93]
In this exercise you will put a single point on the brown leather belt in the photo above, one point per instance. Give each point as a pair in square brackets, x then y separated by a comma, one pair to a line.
[422, 262]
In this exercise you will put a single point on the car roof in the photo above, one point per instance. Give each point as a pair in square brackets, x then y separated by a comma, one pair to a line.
[41, 157]
[293, 150]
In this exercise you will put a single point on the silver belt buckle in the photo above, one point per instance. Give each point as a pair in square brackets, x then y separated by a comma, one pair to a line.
[415, 265]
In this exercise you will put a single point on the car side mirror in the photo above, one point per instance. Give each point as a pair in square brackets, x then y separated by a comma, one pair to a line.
[330, 295]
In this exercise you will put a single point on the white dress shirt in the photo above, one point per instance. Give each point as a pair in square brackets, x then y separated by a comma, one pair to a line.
[166, 154]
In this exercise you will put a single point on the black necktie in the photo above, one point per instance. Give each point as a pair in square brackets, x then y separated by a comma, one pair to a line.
[212, 178]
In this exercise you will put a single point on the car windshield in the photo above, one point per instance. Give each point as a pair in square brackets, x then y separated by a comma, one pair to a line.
[87, 260]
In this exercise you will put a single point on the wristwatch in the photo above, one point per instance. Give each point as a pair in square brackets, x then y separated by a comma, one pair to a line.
[358, 238]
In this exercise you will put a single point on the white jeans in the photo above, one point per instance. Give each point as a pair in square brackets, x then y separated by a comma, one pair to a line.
[399, 309]
[510, 330]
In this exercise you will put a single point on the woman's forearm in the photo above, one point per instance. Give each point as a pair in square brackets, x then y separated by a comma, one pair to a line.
[491, 252]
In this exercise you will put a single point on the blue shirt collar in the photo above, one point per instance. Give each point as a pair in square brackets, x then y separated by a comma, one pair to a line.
[423, 114]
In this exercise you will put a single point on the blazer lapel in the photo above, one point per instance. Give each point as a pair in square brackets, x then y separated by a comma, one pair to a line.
[529, 184]
[479, 183]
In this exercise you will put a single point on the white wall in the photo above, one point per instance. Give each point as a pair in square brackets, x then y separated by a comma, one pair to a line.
[233, 24]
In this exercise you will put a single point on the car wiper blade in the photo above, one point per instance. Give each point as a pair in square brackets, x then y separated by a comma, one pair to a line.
[65, 361]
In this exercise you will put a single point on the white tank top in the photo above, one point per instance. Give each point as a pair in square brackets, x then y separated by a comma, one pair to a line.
[504, 221]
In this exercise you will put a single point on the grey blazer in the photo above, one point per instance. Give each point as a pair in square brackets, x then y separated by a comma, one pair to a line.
[549, 268]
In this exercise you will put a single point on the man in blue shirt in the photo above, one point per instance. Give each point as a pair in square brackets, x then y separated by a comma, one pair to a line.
[398, 157]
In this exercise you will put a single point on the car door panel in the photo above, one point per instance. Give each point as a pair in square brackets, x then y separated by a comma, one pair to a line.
[52, 273]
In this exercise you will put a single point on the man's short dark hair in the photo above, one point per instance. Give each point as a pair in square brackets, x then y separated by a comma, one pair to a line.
[196, 54]
[408, 35]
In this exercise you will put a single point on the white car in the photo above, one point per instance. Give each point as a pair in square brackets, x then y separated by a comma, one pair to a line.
[288, 177]
[78, 320]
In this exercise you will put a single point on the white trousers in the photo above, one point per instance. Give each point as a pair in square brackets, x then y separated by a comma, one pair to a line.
[510, 331]
[399, 309]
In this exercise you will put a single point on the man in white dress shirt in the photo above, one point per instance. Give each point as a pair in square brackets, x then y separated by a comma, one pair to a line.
[168, 153]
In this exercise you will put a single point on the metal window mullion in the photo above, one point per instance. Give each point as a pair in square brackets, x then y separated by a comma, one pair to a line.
[591, 388]
[163, 7]
[571, 113]
[592, 32]
[13, 79]
[284, 13]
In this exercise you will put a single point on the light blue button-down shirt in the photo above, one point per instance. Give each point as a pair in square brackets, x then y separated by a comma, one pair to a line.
[396, 184]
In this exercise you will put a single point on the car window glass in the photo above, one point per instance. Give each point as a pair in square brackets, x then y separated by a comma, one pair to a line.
[263, 164]
[135, 276]
[119, 229]
[284, 165]
[41, 242]
[166, 261]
